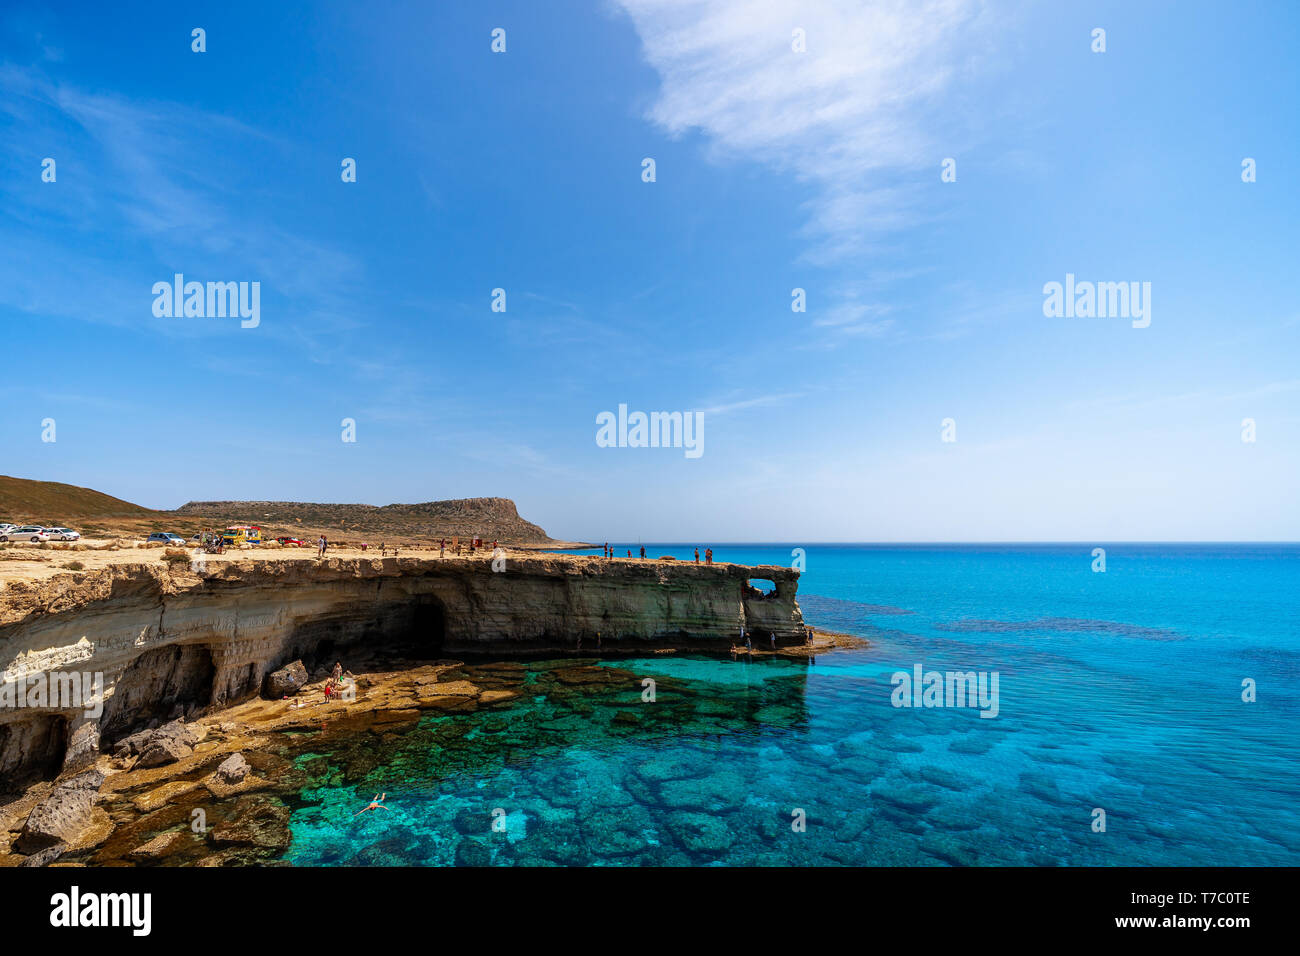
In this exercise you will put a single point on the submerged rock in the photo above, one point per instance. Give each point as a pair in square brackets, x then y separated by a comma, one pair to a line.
[255, 822]
[663, 767]
[391, 851]
[718, 791]
[472, 822]
[156, 847]
[909, 799]
[701, 833]
[473, 852]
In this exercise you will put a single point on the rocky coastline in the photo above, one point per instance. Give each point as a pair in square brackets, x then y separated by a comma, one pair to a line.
[219, 789]
[187, 664]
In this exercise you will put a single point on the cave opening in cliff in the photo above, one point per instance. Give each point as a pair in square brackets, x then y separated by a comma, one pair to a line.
[427, 628]
[155, 686]
[761, 587]
[32, 749]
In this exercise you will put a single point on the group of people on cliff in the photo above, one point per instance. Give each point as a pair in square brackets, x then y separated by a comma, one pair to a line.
[708, 553]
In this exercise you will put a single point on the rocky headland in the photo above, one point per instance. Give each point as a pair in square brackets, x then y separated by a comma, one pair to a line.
[175, 644]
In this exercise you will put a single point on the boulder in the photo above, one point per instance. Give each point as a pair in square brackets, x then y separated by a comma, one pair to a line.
[137, 743]
[168, 744]
[164, 750]
[233, 769]
[46, 856]
[62, 816]
[132, 746]
[286, 680]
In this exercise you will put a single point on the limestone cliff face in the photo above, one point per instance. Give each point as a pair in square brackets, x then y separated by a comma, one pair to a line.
[166, 637]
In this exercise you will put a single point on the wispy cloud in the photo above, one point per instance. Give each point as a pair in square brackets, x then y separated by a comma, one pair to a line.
[726, 408]
[147, 180]
[1134, 402]
[850, 116]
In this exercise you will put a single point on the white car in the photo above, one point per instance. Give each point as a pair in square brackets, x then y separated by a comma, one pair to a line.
[33, 533]
[165, 537]
[6, 527]
[63, 534]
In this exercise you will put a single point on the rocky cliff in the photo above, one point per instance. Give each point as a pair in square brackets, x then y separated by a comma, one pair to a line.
[164, 639]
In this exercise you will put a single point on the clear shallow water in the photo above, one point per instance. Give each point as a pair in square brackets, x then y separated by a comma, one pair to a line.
[1119, 691]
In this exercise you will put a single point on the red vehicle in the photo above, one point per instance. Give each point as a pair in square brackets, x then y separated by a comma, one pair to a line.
[291, 542]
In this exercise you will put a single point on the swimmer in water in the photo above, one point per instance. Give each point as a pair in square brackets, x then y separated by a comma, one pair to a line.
[376, 804]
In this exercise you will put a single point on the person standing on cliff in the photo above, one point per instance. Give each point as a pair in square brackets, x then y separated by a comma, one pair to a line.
[643, 551]
[708, 555]
[697, 555]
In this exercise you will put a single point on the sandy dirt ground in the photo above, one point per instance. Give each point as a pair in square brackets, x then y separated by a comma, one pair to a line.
[27, 562]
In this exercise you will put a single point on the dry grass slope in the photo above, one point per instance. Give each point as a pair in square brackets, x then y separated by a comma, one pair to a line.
[492, 518]
[52, 502]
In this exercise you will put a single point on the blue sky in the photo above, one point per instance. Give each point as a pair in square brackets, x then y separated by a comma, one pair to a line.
[774, 170]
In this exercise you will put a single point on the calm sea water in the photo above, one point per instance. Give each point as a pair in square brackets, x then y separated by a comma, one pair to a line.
[1118, 691]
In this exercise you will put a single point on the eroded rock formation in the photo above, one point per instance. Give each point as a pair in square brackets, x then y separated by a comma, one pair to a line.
[171, 640]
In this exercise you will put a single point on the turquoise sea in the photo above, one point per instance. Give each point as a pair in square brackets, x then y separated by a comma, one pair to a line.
[1120, 691]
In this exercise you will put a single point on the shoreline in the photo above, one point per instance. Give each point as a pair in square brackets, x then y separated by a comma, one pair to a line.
[136, 802]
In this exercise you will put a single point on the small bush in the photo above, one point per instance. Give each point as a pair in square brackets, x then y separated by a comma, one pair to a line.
[175, 556]
[74, 566]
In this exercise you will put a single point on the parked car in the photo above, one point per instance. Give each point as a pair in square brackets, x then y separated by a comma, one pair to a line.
[292, 542]
[63, 534]
[7, 526]
[32, 532]
[166, 537]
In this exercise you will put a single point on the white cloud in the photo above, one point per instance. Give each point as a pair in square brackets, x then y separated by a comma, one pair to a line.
[853, 116]
[759, 402]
